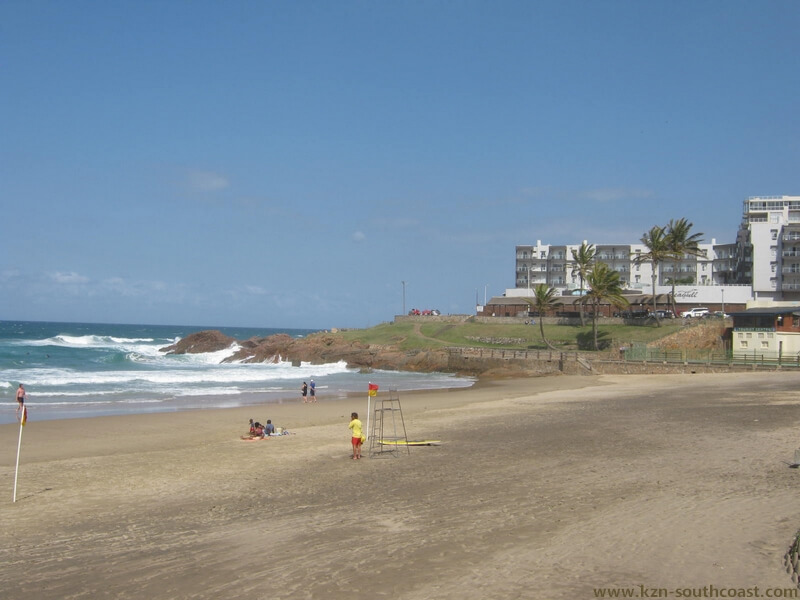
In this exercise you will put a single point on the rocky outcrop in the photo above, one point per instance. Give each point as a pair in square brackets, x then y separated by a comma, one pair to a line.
[202, 341]
[318, 348]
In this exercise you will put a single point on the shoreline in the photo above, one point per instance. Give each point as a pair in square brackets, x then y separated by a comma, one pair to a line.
[648, 472]
[185, 404]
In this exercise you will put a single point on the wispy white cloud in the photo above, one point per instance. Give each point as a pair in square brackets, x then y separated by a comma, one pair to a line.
[611, 194]
[256, 290]
[396, 222]
[67, 278]
[205, 181]
[359, 236]
[9, 274]
[616, 194]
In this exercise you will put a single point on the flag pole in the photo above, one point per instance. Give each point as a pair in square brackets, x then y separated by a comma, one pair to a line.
[369, 399]
[19, 445]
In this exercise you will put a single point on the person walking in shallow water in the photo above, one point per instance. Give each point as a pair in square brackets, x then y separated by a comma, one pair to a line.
[312, 389]
[356, 438]
[21, 397]
[304, 391]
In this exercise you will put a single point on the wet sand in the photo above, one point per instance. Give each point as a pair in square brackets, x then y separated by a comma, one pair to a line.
[542, 488]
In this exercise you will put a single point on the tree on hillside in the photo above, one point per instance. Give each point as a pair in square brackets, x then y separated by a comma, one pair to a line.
[681, 243]
[658, 251]
[583, 258]
[604, 286]
[544, 300]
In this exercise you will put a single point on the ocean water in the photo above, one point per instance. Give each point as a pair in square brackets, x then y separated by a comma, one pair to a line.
[75, 370]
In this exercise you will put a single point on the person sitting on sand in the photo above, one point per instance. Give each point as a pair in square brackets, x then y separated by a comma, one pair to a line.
[269, 428]
[252, 427]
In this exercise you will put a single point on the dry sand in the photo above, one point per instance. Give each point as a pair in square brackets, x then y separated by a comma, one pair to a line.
[542, 488]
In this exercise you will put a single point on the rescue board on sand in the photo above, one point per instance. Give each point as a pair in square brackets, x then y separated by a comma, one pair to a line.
[411, 443]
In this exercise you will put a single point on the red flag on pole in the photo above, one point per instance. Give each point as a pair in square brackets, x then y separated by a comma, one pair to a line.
[373, 389]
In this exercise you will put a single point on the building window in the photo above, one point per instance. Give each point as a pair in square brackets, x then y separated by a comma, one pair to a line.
[764, 345]
[743, 344]
[774, 233]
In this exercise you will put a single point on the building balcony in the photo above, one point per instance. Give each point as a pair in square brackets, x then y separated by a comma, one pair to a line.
[791, 253]
[790, 287]
[613, 257]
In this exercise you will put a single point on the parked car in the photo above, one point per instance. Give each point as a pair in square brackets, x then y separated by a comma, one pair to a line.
[665, 314]
[694, 313]
[633, 314]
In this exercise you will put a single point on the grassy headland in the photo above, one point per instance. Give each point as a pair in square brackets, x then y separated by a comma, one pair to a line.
[420, 335]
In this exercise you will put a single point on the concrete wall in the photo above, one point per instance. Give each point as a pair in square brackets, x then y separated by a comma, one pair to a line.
[544, 362]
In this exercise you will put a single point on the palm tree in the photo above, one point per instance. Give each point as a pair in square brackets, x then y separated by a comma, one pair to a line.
[604, 285]
[681, 243]
[583, 258]
[658, 251]
[544, 299]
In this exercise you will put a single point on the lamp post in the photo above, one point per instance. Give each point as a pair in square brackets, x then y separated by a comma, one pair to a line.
[723, 302]
[404, 296]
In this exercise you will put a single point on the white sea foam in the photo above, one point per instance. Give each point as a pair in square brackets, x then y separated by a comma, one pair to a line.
[193, 372]
[84, 341]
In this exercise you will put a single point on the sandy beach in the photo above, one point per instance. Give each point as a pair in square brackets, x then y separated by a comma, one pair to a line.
[553, 487]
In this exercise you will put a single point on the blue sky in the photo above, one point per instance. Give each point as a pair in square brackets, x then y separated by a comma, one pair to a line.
[289, 164]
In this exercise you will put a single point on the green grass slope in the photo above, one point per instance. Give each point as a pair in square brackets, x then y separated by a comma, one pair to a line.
[421, 335]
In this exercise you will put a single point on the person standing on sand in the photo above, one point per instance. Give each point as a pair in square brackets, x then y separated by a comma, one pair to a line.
[304, 391]
[313, 390]
[21, 397]
[356, 438]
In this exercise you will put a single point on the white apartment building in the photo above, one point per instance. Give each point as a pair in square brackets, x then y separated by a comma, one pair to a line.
[555, 266]
[763, 264]
[769, 246]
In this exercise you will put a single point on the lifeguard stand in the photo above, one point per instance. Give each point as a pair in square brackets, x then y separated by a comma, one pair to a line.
[388, 435]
